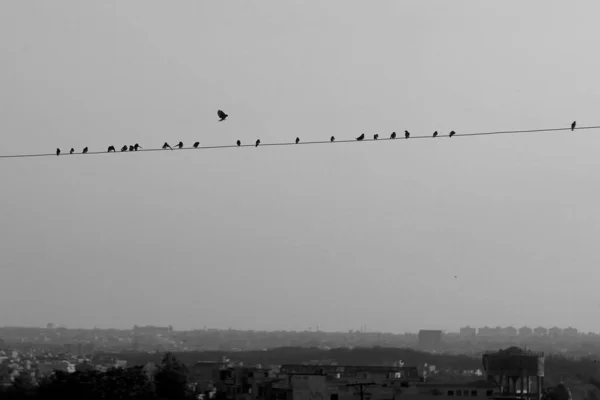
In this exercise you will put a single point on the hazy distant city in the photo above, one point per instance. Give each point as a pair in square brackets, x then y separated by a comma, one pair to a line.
[469, 340]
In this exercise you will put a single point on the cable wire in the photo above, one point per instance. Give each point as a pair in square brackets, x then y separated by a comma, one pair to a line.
[302, 143]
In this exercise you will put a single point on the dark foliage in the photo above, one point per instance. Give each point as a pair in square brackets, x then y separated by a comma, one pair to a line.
[167, 382]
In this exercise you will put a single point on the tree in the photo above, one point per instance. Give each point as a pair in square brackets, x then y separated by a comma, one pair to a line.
[24, 382]
[171, 379]
[120, 384]
[66, 386]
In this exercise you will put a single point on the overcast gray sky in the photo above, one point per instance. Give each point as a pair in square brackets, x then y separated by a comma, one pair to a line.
[290, 237]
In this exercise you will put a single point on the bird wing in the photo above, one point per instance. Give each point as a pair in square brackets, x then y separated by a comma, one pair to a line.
[221, 114]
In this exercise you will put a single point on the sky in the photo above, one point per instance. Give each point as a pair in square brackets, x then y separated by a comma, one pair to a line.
[283, 238]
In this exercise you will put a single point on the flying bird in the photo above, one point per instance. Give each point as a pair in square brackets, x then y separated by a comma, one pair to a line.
[72, 151]
[238, 143]
[166, 146]
[111, 148]
[435, 134]
[124, 148]
[222, 115]
[180, 145]
[58, 152]
[375, 136]
[393, 135]
[573, 125]
[452, 134]
[297, 140]
[332, 139]
[361, 137]
[131, 148]
[196, 145]
[406, 134]
[136, 147]
[257, 142]
[85, 150]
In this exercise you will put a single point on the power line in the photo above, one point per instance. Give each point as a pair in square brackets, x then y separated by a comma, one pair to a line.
[303, 143]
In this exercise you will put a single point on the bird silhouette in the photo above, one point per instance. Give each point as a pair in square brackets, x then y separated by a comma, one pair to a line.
[297, 140]
[58, 152]
[257, 142]
[180, 145]
[222, 115]
[238, 143]
[393, 135]
[375, 136]
[361, 137]
[111, 148]
[332, 139]
[452, 133]
[435, 134]
[136, 147]
[124, 148]
[196, 145]
[131, 148]
[406, 134]
[573, 125]
[166, 146]
[72, 151]
[85, 150]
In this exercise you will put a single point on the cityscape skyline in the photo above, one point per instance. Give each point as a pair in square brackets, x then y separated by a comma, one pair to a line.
[360, 329]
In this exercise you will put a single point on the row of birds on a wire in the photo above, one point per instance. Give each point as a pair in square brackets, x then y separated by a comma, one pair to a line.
[222, 116]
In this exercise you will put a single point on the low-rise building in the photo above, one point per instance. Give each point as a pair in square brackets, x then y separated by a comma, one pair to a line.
[540, 331]
[525, 331]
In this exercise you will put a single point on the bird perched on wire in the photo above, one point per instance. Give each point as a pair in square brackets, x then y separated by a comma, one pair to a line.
[297, 140]
[166, 146]
[435, 134]
[573, 125]
[361, 137]
[332, 139]
[85, 150]
[257, 142]
[111, 148]
[222, 115]
[58, 152]
[180, 145]
[375, 136]
[124, 148]
[136, 147]
[238, 143]
[452, 133]
[72, 151]
[406, 134]
[196, 145]
[393, 135]
[130, 147]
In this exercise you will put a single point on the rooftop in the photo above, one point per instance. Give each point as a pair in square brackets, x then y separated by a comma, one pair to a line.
[481, 384]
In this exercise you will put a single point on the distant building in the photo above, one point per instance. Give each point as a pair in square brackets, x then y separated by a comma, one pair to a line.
[430, 339]
[468, 332]
[571, 332]
[152, 330]
[540, 331]
[486, 331]
[509, 331]
[525, 331]
[555, 331]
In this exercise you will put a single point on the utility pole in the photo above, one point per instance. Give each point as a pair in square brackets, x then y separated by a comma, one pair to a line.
[361, 388]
